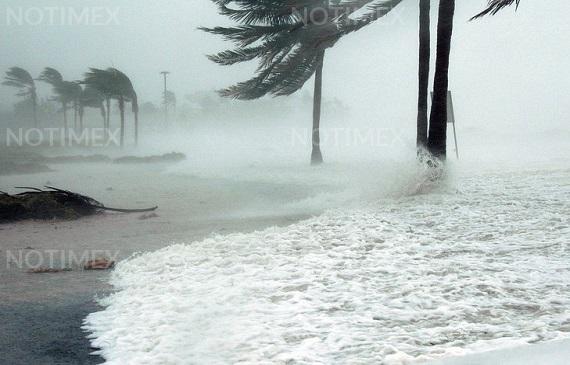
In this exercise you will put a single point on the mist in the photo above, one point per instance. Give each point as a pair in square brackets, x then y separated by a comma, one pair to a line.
[174, 225]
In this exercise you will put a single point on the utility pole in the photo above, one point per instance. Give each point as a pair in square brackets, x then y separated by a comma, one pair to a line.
[165, 74]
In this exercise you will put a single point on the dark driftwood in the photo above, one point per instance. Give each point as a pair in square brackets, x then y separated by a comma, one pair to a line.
[52, 203]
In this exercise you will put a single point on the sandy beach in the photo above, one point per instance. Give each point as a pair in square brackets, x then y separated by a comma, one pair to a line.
[42, 313]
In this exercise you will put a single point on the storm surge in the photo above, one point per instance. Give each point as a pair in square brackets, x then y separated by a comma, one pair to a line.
[477, 265]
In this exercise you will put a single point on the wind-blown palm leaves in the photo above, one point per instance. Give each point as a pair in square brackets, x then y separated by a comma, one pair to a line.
[65, 91]
[289, 38]
[21, 79]
[114, 84]
[92, 98]
[495, 6]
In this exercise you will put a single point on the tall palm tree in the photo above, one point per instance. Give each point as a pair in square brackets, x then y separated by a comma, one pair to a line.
[92, 98]
[290, 39]
[77, 91]
[114, 84]
[437, 139]
[102, 81]
[21, 79]
[65, 91]
[423, 75]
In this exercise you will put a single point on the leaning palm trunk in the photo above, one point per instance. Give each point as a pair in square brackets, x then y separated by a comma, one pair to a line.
[423, 73]
[65, 125]
[103, 115]
[108, 116]
[316, 155]
[122, 112]
[81, 112]
[437, 141]
[136, 125]
[35, 108]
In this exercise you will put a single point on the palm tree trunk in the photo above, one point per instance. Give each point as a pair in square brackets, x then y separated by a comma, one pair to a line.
[108, 118]
[136, 126]
[437, 141]
[65, 127]
[35, 106]
[75, 113]
[423, 75]
[316, 155]
[103, 115]
[122, 111]
[81, 112]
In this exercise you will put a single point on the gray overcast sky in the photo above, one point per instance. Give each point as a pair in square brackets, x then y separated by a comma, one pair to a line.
[518, 59]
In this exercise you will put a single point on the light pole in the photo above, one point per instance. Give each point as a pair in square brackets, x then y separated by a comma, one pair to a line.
[165, 74]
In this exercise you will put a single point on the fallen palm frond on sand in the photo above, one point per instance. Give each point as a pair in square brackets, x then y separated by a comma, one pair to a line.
[52, 203]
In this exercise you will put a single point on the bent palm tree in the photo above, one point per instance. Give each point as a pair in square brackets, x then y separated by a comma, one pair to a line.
[102, 81]
[21, 79]
[65, 91]
[91, 98]
[114, 84]
[289, 38]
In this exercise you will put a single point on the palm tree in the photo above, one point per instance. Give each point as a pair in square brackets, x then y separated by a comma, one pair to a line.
[290, 39]
[101, 81]
[91, 98]
[21, 79]
[65, 91]
[423, 75]
[114, 84]
[437, 139]
[76, 91]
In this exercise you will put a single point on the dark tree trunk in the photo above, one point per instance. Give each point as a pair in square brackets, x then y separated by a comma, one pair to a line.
[122, 111]
[65, 126]
[108, 118]
[35, 107]
[316, 155]
[423, 73]
[136, 126]
[75, 114]
[103, 115]
[437, 141]
[81, 113]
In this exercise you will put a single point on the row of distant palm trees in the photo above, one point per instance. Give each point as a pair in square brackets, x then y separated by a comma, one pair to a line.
[98, 88]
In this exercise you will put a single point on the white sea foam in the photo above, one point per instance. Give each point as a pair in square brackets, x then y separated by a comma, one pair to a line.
[404, 279]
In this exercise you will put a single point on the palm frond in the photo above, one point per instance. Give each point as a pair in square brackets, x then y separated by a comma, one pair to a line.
[495, 6]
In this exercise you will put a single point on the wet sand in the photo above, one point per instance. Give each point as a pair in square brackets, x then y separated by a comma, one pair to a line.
[42, 314]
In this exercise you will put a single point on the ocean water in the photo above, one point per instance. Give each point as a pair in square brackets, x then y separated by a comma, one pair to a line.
[412, 273]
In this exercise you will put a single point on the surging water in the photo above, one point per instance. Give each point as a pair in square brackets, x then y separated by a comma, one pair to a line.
[401, 279]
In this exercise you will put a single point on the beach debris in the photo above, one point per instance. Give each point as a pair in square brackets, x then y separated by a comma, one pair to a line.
[75, 159]
[148, 216]
[52, 203]
[168, 157]
[47, 270]
[99, 264]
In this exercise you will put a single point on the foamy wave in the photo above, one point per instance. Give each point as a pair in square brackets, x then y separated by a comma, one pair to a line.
[405, 279]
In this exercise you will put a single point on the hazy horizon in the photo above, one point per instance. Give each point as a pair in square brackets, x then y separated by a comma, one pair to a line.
[517, 58]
